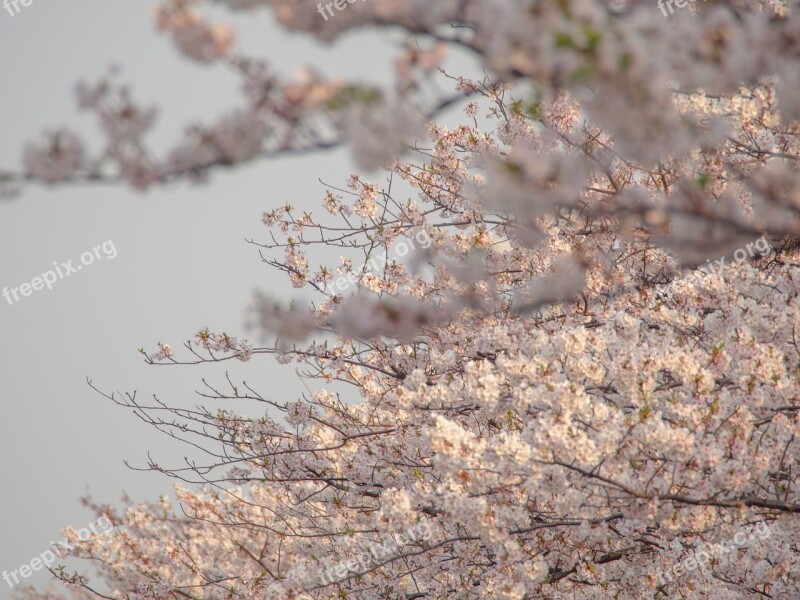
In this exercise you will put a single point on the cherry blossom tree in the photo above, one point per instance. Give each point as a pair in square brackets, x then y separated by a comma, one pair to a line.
[585, 383]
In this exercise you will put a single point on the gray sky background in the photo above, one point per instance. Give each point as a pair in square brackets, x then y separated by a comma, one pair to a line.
[182, 260]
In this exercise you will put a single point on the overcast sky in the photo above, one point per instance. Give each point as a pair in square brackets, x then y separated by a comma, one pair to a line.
[181, 264]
